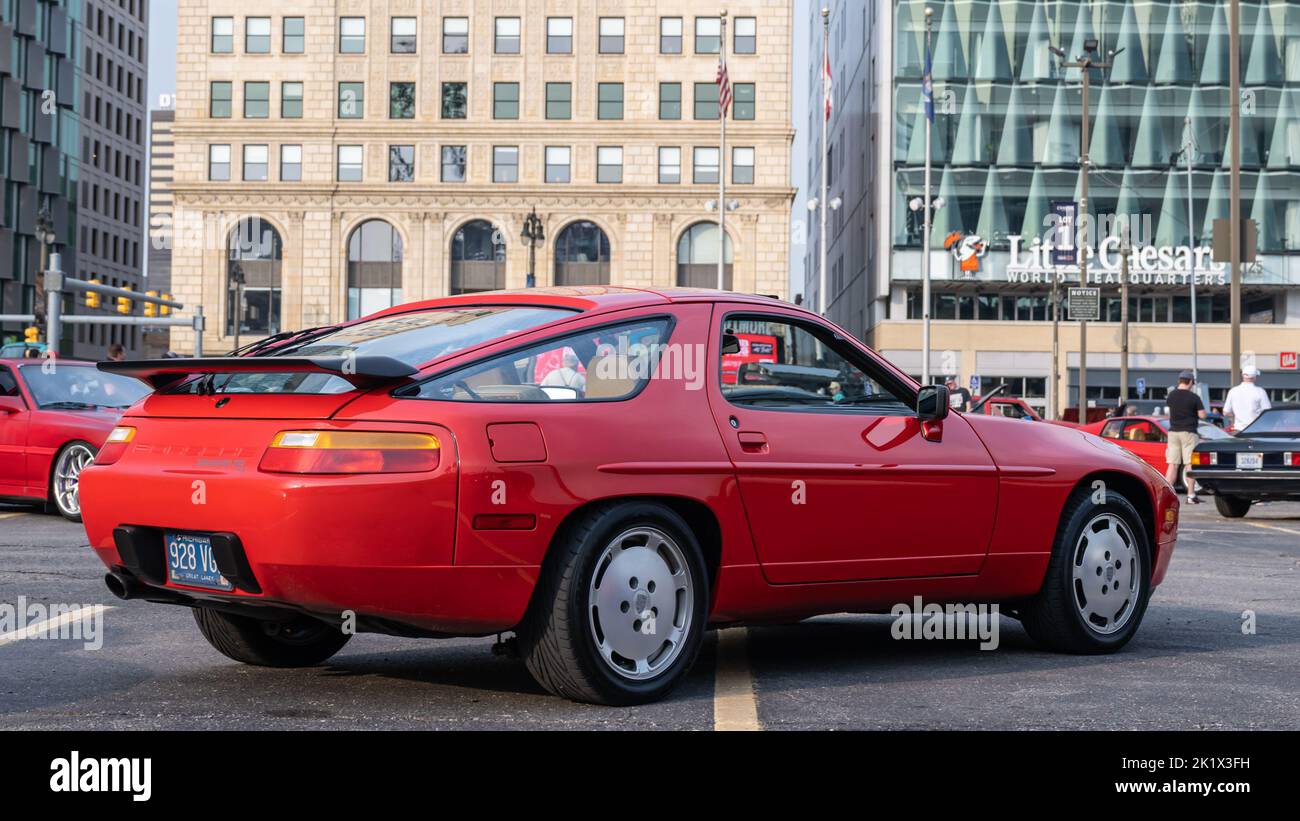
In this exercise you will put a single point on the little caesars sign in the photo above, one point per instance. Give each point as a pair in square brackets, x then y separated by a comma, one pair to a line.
[1148, 264]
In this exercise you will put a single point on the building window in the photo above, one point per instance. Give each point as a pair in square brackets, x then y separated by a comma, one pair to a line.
[559, 101]
[706, 166]
[219, 163]
[254, 252]
[352, 101]
[742, 106]
[256, 165]
[374, 268]
[670, 35]
[697, 257]
[611, 35]
[257, 35]
[582, 255]
[670, 165]
[505, 101]
[294, 38]
[352, 35]
[401, 35]
[670, 101]
[257, 100]
[291, 163]
[559, 35]
[706, 101]
[609, 101]
[401, 163]
[507, 35]
[742, 166]
[455, 35]
[478, 258]
[557, 164]
[746, 41]
[401, 101]
[454, 96]
[220, 103]
[291, 100]
[453, 163]
[223, 35]
[505, 163]
[609, 164]
[350, 163]
[708, 35]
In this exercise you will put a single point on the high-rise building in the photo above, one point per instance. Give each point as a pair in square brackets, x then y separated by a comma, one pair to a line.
[1006, 156]
[333, 159]
[110, 212]
[158, 273]
[38, 144]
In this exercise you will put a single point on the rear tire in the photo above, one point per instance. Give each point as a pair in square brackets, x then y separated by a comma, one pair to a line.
[1098, 581]
[299, 642]
[619, 612]
[1232, 507]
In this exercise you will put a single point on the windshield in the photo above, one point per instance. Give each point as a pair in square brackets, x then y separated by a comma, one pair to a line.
[1279, 421]
[79, 386]
[1205, 430]
[414, 338]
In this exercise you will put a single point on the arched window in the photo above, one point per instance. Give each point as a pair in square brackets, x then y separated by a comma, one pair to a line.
[582, 255]
[374, 268]
[478, 258]
[253, 278]
[697, 257]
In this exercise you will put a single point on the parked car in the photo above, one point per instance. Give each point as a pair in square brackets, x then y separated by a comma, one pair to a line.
[1148, 436]
[22, 350]
[404, 468]
[1011, 407]
[1261, 462]
[54, 417]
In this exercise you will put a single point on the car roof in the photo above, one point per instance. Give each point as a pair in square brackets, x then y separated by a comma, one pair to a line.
[588, 299]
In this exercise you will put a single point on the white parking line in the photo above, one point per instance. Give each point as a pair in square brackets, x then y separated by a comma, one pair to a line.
[1273, 527]
[12, 515]
[734, 705]
[45, 628]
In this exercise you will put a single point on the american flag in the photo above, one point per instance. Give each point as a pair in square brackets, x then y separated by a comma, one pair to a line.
[724, 87]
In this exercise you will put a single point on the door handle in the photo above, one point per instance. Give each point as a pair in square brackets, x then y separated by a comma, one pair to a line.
[752, 441]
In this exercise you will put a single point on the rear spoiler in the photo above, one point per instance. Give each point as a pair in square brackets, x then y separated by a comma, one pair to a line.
[361, 371]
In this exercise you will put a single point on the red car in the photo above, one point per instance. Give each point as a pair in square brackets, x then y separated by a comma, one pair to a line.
[54, 416]
[1147, 436]
[405, 473]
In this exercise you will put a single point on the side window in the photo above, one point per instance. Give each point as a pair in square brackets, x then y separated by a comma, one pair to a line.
[612, 362]
[777, 363]
[8, 384]
[1112, 429]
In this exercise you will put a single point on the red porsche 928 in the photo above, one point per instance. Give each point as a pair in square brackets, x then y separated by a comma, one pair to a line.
[572, 465]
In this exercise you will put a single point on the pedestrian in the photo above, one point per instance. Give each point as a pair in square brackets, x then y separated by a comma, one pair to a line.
[1245, 402]
[958, 397]
[116, 353]
[1185, 413]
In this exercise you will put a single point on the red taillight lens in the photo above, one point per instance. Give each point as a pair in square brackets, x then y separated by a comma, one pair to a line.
[1291, 459]
[115, 445]
[334, 451]
[1202, 458]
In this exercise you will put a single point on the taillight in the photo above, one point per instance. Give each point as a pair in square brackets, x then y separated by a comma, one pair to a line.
[341, 451]
[1205, 458]
[1291, 459]
[115, 445]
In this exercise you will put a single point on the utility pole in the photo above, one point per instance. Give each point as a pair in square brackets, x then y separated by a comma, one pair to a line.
[1125, 249]
[1189, 149]
[1234, 177]
[927, 93]
[724, 86]
[822, 301]
[45, 236]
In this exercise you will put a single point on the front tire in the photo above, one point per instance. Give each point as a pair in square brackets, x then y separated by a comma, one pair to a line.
[65, 478]
[619, 612]
[1098, 581]
[1232, 507]
[299, 642]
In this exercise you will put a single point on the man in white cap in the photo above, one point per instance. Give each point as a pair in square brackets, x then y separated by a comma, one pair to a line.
[1247, 401]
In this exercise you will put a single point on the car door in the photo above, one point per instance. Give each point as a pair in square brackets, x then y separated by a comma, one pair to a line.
[15, 418]
[837, 478]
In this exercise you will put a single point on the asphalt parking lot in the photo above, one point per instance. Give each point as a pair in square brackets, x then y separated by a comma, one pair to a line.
[1191, 665]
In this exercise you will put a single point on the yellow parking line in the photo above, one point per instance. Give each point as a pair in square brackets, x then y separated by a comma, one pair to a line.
[1272, 527]
[734, 704]
[12, 515]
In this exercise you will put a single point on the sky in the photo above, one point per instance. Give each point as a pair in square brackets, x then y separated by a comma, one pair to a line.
[162, 50]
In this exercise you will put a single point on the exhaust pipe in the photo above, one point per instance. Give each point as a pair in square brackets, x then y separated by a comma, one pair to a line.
[123, 586]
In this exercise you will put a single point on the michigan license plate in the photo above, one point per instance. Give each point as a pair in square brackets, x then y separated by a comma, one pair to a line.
[190, 562]
[1250, 461]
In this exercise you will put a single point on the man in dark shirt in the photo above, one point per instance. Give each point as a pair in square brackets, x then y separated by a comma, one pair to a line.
[958, 397]
[1185, 414]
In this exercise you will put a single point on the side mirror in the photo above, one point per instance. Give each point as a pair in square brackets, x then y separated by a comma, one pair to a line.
[932, 403]
[12, 404]
[730, 343]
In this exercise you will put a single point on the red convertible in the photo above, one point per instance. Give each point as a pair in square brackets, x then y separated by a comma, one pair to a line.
[407, 473]
[54, 416]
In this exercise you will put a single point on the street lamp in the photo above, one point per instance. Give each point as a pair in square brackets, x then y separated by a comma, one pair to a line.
[533, 235]
[45, 236]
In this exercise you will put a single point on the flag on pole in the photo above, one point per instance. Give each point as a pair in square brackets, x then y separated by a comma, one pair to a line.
[927, 86]
[826, 84]
[724, 87]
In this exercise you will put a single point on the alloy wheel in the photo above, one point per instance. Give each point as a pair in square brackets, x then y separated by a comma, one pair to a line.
[67, 478]
[1107, 574]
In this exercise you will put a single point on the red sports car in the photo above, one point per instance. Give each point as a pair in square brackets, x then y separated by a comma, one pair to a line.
[54, 416]
[407, 473]
[1148, 436]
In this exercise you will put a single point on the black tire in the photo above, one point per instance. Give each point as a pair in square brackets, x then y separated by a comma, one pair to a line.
[1232, 507]
[300, 642]
[556, 638]
[1053, 618]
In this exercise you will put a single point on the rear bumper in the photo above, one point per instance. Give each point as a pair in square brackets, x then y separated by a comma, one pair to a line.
[1252, 484]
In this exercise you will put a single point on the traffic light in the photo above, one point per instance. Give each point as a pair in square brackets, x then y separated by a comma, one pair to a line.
[31, 335]
[124, 304]
[92, 298]
[166, 309]
[150, 308]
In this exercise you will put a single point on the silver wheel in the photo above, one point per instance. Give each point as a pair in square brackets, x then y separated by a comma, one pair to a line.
[1107, 574]
[67, 476]
[640, 601]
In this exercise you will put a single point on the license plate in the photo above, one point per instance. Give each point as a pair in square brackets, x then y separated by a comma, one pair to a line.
[1250, 461]
[190, 562]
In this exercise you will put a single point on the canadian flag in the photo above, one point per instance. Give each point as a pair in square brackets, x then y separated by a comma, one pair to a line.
[826, 85]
